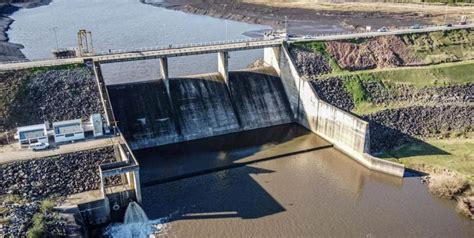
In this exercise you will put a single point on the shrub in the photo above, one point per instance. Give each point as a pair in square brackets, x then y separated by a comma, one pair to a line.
[38, 228]
[47, 205]
[447, 185]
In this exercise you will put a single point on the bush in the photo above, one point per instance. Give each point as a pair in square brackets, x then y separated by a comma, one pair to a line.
[38, 228]
[47, 205]
[447, 185]
[355, 87]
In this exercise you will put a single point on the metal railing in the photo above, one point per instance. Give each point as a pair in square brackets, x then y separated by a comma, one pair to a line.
[183, 48]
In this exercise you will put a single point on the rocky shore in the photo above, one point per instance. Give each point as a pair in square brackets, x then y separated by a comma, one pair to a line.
[405, 124]
[12, 51]
[301, 20]
[61, 94]
[421, 112]
[334, 90]
[61, 176]
[36, 181]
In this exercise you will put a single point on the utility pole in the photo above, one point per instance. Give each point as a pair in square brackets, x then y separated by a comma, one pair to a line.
[286, 25]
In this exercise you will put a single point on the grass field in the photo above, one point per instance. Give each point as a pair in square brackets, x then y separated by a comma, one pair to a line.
[423, 76]
[459, 156]
[420, 76]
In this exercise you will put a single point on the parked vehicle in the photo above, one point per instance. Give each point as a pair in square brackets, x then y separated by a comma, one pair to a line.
[39, 146]
[416, 26]
[383, 29]
[449, 25]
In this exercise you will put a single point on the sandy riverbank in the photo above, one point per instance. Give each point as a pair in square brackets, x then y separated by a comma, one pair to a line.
[307, 19]
[11, 51]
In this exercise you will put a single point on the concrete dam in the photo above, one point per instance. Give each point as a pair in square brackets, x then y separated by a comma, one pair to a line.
[170, 110]
[199, 106]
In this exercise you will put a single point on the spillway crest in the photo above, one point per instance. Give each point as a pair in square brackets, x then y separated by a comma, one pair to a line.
[198, 107]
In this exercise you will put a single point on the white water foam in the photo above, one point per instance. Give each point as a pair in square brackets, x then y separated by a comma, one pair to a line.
[146, 229]
[137, 225]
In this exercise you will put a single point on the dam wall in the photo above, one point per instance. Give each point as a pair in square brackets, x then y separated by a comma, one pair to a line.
[345, 131]
[199, 106]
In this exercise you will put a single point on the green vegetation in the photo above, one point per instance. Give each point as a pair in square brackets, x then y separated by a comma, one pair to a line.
[59, 67]
[320, 48]
[442, 46]
[315, 46]
[435, 155]
[38, 229]
[433, 75]
[426, 76]
[356, 89]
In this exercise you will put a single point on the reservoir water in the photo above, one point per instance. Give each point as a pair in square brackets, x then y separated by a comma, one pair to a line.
[279, 181]
[128, 24]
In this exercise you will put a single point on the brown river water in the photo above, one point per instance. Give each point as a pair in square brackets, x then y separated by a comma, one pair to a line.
[320, 193]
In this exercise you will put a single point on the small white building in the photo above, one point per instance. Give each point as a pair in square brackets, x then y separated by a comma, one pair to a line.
[65, 131]
[31, 134]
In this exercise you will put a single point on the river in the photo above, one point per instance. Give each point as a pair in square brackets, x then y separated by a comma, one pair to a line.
[320, 193]
[316, 193]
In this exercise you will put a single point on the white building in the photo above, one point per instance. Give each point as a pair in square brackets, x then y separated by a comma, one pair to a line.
[31, 134]
[65, 131]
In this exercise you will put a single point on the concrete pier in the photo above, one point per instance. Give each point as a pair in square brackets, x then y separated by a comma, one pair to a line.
[223, 65]
[164, 73]
[271, 57]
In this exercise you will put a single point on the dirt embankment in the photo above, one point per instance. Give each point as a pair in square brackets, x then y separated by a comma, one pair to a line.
[300, 20]
[385, 52]
[11, 51]
[61, 94]
[379, 52]
[407, 50]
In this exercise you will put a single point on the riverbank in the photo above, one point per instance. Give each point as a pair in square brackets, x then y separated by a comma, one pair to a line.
[416, 93]
[11, 51]
[310, 18]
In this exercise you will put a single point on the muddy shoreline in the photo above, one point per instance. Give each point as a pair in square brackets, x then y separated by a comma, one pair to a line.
[12, 51]
[300, 21]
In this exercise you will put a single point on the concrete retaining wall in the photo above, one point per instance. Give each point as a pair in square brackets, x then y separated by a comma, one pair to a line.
[345, 131]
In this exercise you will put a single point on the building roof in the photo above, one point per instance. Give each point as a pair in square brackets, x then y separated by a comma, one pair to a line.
[67, 123]
[32, 127]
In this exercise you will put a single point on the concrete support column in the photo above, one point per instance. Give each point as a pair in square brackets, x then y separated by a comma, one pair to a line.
[271, 57]
[164, 73]
[223, 65]
[104, 95]
[136, 180]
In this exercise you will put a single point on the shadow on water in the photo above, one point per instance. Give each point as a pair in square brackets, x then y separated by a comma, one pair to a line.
[177, 161]
[171, 174]
[211, 198]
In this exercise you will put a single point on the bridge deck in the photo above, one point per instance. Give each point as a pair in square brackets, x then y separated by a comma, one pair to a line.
[211, 48]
